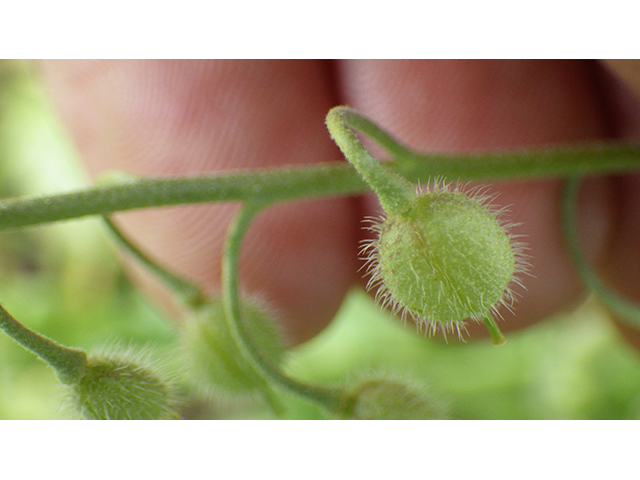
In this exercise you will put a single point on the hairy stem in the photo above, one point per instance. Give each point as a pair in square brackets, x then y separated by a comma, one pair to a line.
[328, 398]
[497, 337]
[68, 363]
[329, 179]
[559, 161]
[189, 293]
[270, 185]
[626, 310]
[395, 193]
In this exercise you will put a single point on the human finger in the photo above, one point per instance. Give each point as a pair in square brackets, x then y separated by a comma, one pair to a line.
[189, 117]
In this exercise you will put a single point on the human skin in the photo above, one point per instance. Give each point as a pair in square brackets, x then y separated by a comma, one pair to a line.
[188, 117]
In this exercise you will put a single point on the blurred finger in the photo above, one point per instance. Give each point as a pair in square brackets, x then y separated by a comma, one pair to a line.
[189, 117]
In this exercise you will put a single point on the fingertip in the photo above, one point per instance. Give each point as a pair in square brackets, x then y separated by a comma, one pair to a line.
[157, 118]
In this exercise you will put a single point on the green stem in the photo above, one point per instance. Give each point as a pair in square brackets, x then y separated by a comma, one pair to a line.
[626, 310]
[395, 193]
[329, 179]
[496, 335]
[273, 401]
[547, 162]
[361, 123]
[68, 363]
[190, 293]
[270, 185]
[329, 398]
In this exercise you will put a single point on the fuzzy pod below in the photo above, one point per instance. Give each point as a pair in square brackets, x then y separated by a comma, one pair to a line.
[391, 399]
[214, 363]
[122, 386]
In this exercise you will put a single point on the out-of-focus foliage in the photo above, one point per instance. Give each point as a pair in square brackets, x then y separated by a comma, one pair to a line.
[64, 281]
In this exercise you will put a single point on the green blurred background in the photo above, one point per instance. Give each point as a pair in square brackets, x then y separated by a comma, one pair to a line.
[64, 281]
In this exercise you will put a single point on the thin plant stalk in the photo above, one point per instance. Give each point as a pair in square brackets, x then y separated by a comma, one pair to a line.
[320, 180]
[69, 363]
[191, 294]
[329, 398]
[624, 309]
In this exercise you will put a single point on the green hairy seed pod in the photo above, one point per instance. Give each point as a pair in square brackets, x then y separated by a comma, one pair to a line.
[446, 259]
[213, 360]
[122, 386]
[391, 399]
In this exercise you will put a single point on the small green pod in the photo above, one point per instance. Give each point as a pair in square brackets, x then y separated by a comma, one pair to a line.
[122, 386]
[391, 399]
[213, 361]
[446, 259]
